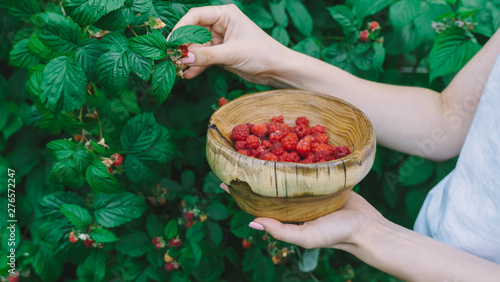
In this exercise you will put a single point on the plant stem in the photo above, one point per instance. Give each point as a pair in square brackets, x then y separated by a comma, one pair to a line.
[134, 32]
[100, 127]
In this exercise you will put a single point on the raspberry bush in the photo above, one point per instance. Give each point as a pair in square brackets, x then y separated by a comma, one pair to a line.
[112, 182]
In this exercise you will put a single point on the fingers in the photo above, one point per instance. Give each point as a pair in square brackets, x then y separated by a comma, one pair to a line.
[291, 233]
[225, 188]
[205, 16]
[207, 56]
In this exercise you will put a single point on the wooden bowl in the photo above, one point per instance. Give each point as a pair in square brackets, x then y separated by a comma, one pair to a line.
[291, 192]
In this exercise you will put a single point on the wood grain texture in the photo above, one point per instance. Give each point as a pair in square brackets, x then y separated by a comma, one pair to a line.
[344, 124]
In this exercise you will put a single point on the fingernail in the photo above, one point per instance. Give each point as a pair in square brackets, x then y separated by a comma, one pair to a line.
[223, 186]
[255, 226]
[169, 36]
[189, 59]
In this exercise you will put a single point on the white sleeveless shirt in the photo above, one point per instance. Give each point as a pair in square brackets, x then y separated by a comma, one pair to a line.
[463, 210]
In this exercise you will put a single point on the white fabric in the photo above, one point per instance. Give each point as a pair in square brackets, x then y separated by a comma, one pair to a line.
[463, 210]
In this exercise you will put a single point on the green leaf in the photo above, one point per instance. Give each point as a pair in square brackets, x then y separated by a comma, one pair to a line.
[403, 40]
[86, 12]
[196, 233]
[65, 85]
[113, 69]
[163, 80]
[152, 46]
[167, 14]
[50, 204]
[307, 46]
[402, 12]
[363, 56]
[101, 235]
[77, 215]
[217, 211]
[278, 12]
[139, 6]
[378, 56]
[281, 35]
[211, 184]
[23, 10]
[45, 264]
[154, 226]
[187, 179]
[364, 8]
[57, 32]
[134, 243]
[39, 49]
[65, 173]
[100, 179]
[345, 17]
[259, 15]
[171, 229]
[189, 34]
[261, 266]
[239, 224]
[61, 149]
[197, 251]
[214, 232]
[98, 148]
[415, 170]
[116, 20]
[452, 49]
[113, 210]
[300, 16]
[94, 267]
[114, 41]
[140, 65]
[20, 56]
[87, 54]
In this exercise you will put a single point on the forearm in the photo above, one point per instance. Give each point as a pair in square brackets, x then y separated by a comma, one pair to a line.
[414, 257]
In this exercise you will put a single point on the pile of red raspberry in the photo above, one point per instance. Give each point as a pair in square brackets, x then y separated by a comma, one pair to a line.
[277, 141]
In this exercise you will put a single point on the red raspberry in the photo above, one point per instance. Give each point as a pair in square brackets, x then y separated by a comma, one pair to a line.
[277, 136]
[306, 161]
[300, 130]
[322, 138]
[332, 150]
[274, 126]
[184, 50]
[303, 147]
[240, 132]
[189, 215]
[110, 170]
[189, 224]
[252, 142]
[278, 119]
[175, 242]
[158, 242]
[318, 129]
[13, 277]
[270, 157]
[260, 130]
[77, 138]
[374, 26]
[246, 244]
[295, 156]
[250, 126]
[290, 141]
[277, 149]
[322, 156]
[118, 159]
[72, 237]
[244, 152]
[311, 157]
[266, 143]
[222, 101]
[363, 36]
[286, 157]
[321, 147]
[285, 128]
[309, 138]
[302, 120]
[169, 266]
[259, 151]
[89, 243]
[240, 145]
[341, 152]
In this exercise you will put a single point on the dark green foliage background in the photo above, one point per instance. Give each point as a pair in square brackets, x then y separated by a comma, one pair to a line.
[411, 53]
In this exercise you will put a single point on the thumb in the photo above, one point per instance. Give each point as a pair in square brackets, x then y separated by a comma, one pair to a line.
[290, 233]
[207, 56]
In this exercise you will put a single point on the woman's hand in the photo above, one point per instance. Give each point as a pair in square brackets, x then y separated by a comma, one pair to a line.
[238, 44]
[336, 230]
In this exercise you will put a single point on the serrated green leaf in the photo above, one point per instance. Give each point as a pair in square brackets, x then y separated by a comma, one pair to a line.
[345, 17]
[278, 12]
[211, 184]
[365, 8]
[59, 33]
[402, 12]
[154, 226]
[166, 13]
[140, 65]
[239, 224]
[134, 243]
[94, 267]
[39, 49]
[113, 210]
[61, 149]
[217, 211]
[20, 56]
[116, 20]
[87, 54]
[65, 85]
[197, 251]
[65, 173]
[189, 34]
[98, 148]
[113, 40]
[281, 35]
[308, 46]
[214, 232]
[152, 46]
[300, 16]
[45, 264]
[77, 215]
[196, 233]
[171, 229]
[139, 6]
[259, 15]
[50, 204]
[129, 100]
[34, 85]
[99, 178]
[261, 266]
[163, 80]
[86, 12]
[101, 235]
[23, 10]
[452, 49]
[113, 70]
